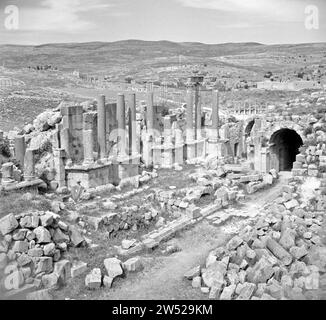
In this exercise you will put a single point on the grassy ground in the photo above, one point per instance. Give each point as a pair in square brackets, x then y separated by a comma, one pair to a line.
[18, 202]
[161, 276]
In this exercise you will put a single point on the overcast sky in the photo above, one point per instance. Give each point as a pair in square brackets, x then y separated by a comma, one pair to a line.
[209, 21]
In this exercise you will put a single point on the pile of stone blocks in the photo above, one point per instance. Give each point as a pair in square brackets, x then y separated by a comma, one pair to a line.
[114, 268]
[32, 249]
[309, 162]
[279, 257]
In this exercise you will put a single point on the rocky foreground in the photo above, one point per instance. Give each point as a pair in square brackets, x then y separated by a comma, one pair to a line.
[279, 256]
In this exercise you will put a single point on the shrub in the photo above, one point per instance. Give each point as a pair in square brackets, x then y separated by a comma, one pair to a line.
[308, 130]
[4, 148]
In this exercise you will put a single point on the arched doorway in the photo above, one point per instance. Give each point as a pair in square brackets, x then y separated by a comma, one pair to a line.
[284, 146]
[249, 128]
[247, 132]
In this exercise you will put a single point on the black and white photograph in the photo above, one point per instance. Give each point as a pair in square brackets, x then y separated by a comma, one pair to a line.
[162, 151]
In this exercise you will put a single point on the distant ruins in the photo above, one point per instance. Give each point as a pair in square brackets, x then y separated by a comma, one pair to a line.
[289, 85]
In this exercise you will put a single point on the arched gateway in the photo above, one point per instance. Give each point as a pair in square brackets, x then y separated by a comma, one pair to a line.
[284, 146]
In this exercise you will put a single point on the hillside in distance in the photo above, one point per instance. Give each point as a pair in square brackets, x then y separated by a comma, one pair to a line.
[88, 57]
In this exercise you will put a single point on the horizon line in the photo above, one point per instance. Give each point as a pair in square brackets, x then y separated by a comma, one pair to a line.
[157, 41]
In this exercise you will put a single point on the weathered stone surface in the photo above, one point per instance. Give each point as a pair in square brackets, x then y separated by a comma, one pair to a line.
[228, 292]
[3, 260]
[46, 219]
[215, 292]
[133, 264]
[234, 243]
[19, 234]
[45, 264]
[247, 291]
[50, 280]
[63, 270]
[59, 236]
[298, 252]
[20, 246]
[78, 268]
[127, 244]
[94, 279]
[287, 238]
[205, 290]
[275, 290]
[107, 281]
[214, 274]
[312, 281]
[24, 259]
[291, 204]
[317, 257]
[35, 252]
[8, 224]
[63, 226]
[35, 221]
[287, 281]
[261, 272]
[42, 235]
[30, 236]
[196, 282]
[26, 222]
[266, 296]
[194, 272]
[279, 251]
[193, 211]
[49, 249]
[75, 236]
[113, 267]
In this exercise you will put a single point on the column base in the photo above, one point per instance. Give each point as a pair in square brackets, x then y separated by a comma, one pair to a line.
[178, 154]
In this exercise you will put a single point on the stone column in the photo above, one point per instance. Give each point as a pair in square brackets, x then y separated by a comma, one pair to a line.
[150, 112]
[88, 138]
[121, 117]
[147, 148]
[71, 135]
[190, 127]
[214, 130]
[7, 172]
[29, 165]
[167, 131]
[157, 151]
[20, 150]
[178, 146]
[190, 134]
[168, 146]
[101, 130]
[198, 114]
[111, 129]
[55, 138]
[59, 166]
[133, 145]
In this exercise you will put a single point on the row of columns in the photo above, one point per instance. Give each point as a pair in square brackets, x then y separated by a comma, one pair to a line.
[110, 118]
[247, 109]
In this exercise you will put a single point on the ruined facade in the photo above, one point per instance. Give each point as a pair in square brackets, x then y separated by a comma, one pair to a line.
[107, 145]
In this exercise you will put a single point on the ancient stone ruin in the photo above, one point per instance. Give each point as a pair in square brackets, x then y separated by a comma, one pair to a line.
[94, 157]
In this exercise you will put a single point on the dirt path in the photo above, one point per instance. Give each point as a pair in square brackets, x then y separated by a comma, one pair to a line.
[162, 277]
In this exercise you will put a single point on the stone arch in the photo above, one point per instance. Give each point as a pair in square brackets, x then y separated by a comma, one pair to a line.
[284, 145]
[289, 125]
